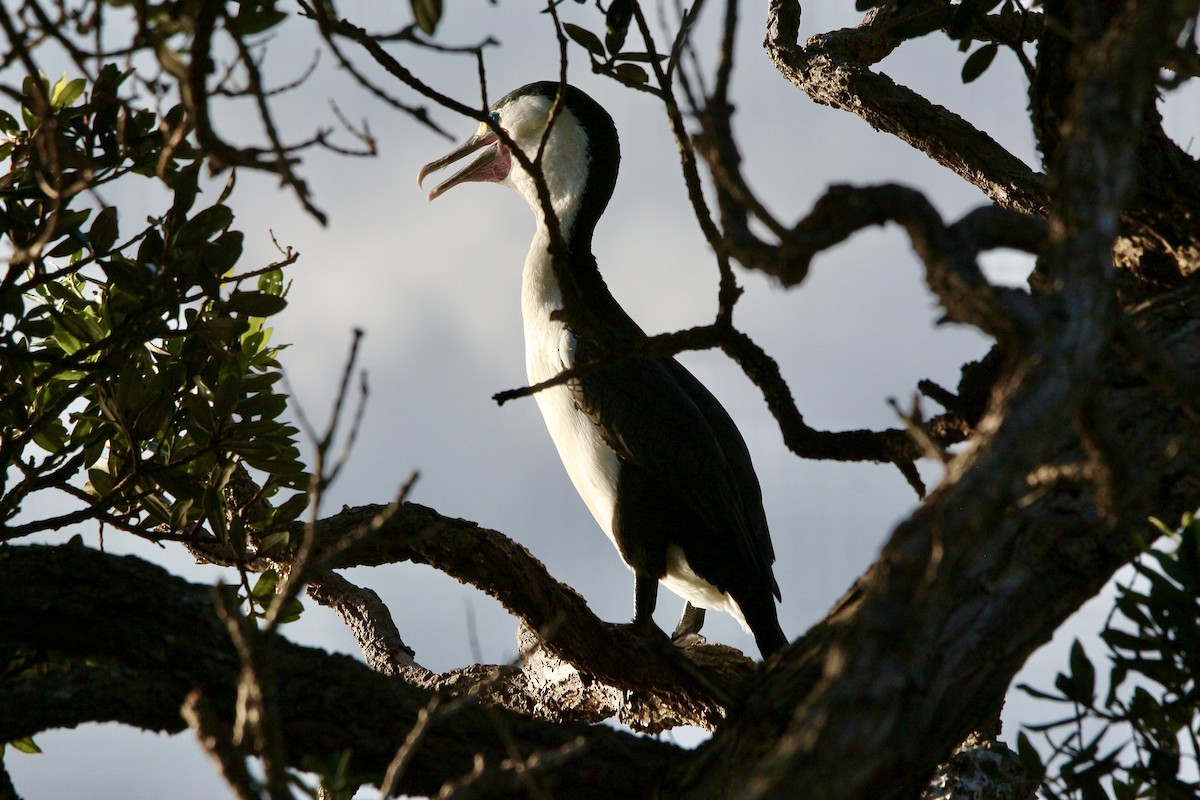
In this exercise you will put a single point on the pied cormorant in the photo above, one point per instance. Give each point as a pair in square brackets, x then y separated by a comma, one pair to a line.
[652, 453]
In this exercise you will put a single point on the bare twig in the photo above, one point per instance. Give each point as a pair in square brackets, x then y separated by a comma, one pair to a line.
[257, 724]
[216, 740]
[368, 619]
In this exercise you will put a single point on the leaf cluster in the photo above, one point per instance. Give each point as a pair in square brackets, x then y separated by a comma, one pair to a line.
[607, 53]
[136, 372]
[1141, 740]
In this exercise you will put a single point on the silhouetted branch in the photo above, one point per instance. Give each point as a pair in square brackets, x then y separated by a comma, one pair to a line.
[834, 69]
[506, 571]
[142, 640]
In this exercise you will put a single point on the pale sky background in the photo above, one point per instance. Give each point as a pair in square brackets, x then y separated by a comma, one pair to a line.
[436, 287]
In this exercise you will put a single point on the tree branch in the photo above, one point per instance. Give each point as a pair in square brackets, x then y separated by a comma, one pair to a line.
[498, 566]
[142, 640]
[833, 69]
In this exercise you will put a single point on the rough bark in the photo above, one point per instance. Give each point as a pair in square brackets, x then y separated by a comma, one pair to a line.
[142, 640]
[694, 685]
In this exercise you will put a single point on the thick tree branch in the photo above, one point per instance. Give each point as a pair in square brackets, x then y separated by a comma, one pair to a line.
[490, 561]
[1159, 246]
[369, 622]
[967, 575]
[150, 638]
[922, 650]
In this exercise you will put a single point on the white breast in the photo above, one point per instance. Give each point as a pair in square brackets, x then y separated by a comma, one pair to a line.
[592, 465]
[549, 349]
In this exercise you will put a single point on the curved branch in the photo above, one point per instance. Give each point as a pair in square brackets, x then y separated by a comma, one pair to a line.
[141, 640]
[922, 650]
[505, 570]
[833, 69]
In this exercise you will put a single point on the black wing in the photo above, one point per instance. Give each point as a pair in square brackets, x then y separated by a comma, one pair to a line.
[687, 478]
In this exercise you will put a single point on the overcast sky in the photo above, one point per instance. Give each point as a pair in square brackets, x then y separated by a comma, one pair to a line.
[436, 288]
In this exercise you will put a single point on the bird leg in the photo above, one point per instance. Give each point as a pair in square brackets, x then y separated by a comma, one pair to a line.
[645, 597]
[690, 623]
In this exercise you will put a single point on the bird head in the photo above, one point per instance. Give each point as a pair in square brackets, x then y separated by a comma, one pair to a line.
[579, 162]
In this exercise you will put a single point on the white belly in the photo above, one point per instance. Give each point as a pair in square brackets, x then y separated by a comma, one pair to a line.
[591, 464]
[681, 580]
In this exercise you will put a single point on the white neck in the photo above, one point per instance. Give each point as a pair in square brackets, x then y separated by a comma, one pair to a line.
[540, 291]
[564, 167]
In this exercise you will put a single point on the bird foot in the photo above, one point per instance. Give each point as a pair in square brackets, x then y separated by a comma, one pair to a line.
[646, 630]
[687, 639]
[690, 623]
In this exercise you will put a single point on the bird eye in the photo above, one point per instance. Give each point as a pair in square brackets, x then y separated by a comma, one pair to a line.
[494, 117]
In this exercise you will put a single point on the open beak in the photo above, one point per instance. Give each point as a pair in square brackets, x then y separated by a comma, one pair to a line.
[492, 165]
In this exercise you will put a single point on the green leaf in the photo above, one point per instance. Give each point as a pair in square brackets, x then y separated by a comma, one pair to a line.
[266, 405]
[52, 438]
[219, 257]
[71, 221]
[1127, 790]
[254, 304]
[644, 58]
[291, 509]
[150, 252]
[1058, 723]
[616, 24]
[26, 745]
[128, 277]
[222, 329]
[584, 37]
[264, 587]
[228, 391]
[631, 73]
[251, 20]
[103, 233]
[156, 508]
[271, 281]
[8, 123]
[291, 611]
[1029, 757]
[204, 226]
[275, 541]
[427, 14]
[978, 62]
[100, 482]
[179, 514]
[186, 183]
[1082, 670]
[67, 247]
[1120, 640]
[1132, 605]
[66, 92]
[82, 327]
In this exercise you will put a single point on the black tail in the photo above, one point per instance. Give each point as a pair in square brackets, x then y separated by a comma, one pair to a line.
[759, 610]
[769, 636]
